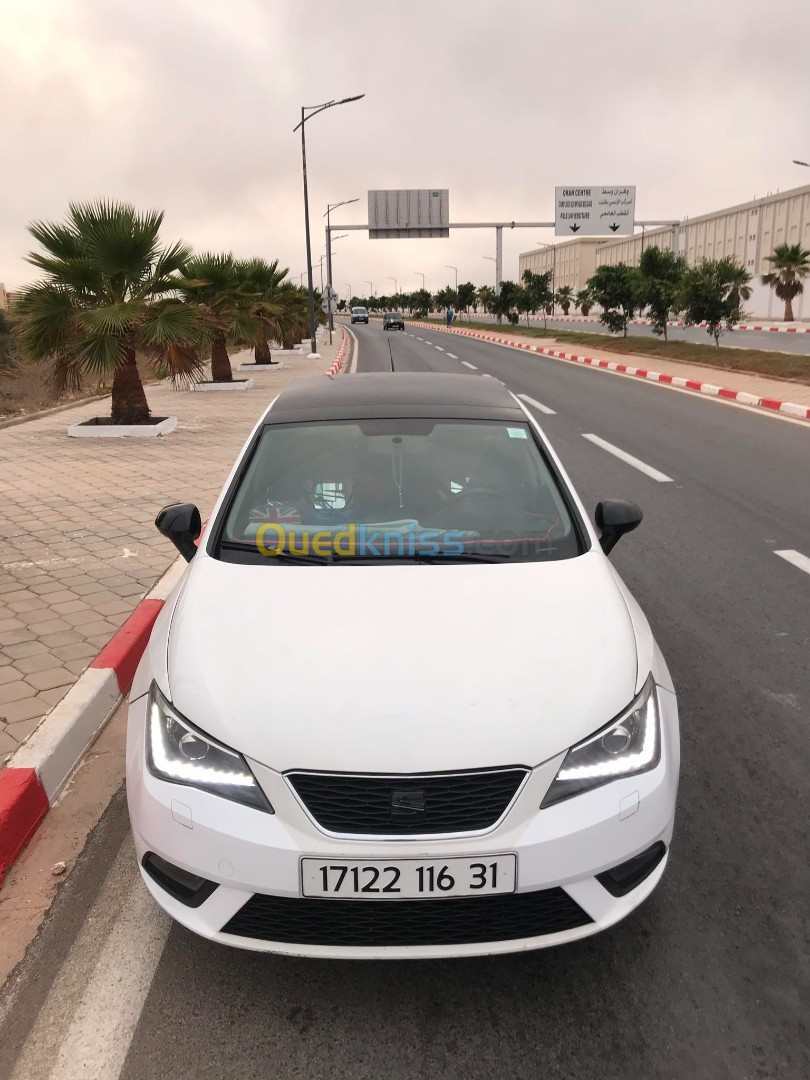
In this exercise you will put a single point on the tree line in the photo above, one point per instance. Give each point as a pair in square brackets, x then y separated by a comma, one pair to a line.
[115, 300]
[661, 287]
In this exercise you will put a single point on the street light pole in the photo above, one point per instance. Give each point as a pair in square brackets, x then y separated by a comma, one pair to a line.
[421, 275]
[396, 286]
[307, 112]
[449, 267]
[329, 208]
[370, 284]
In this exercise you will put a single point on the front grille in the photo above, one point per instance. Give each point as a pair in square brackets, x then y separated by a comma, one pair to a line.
[454, 921]
[407, 805]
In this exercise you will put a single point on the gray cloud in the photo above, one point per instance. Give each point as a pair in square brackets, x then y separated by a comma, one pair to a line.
[190, 106]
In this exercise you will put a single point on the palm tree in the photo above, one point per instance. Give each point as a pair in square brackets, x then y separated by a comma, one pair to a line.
[739, 281]
[8, 362]
[485, 294]
[584, 301]
[261, 280]
[107, 297]
[565, 298]
[791, 263]
[216, 291]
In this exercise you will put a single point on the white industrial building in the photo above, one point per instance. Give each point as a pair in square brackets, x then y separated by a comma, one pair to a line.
[748, 232]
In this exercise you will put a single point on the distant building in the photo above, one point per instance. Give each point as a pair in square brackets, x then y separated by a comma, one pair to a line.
[749, 232]
[572, 261]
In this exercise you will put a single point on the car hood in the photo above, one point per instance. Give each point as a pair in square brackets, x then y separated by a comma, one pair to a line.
[402, 668]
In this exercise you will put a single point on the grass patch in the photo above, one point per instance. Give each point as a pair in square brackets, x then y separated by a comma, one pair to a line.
[790, 366]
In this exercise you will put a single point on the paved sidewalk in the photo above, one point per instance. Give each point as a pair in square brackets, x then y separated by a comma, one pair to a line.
[759, 385]
[78, 546]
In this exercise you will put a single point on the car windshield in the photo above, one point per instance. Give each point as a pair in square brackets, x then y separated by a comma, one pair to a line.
[359, 311]
[421, 489]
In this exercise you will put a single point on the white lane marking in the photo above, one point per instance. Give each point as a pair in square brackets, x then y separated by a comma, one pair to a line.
[419, 338]
[467, 363]
[452, 356]
[439, 348]
[73, 982]
[648, 470]
[537, 405]
[795, 558]
[103, 1024]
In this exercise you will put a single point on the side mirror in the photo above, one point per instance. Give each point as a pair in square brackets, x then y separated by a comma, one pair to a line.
[614, 518]
[181, 523]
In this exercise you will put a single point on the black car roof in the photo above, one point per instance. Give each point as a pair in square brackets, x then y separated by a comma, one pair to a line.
[395, 394]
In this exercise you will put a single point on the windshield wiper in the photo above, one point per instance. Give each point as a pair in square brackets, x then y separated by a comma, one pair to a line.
[424, 557]
[284, 555]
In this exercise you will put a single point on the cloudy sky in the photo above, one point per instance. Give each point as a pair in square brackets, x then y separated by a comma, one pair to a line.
[189, 105]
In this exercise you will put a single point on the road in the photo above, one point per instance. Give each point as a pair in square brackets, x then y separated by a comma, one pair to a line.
[798, 344]
[703, 981]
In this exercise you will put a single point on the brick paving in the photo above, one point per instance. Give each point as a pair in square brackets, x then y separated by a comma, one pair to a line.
[78, 546]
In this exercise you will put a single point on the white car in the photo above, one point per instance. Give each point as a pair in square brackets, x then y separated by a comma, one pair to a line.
[400, 704]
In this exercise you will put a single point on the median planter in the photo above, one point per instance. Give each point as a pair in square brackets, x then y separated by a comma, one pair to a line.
[261, 367]
[235, 384]
[102, 427]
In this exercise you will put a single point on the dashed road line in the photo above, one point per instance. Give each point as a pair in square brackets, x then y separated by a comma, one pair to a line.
[537, 405]
[628, 459]
[795, 558]
[439, 348]
[452, 356]
[467, 363]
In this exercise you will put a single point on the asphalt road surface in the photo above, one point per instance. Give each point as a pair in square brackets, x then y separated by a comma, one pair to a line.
[772, 341]
[704, 981]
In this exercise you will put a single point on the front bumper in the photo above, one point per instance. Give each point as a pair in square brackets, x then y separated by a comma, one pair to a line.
[560, 850]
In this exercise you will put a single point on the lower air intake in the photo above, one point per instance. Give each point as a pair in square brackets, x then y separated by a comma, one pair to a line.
[454, 921]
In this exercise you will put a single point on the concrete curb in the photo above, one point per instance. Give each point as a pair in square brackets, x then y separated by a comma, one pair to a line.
[786, 408]
[39, 770]
[352, 361]
[337, 363]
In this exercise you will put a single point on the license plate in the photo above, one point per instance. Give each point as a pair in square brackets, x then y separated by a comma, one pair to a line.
[408, 879]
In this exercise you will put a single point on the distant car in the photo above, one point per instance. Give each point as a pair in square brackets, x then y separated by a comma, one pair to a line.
[360, 314]
[393, 320]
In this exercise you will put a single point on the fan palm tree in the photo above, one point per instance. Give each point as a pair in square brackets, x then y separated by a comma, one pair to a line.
[8, 362]
[216, 292]
[791, 263]
[565, 298]
[584, 301]
[293, 322]
[261, 280]
[739, 287]
[107, 296]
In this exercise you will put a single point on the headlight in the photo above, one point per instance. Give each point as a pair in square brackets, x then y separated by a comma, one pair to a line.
[631, 744]
[177, 752]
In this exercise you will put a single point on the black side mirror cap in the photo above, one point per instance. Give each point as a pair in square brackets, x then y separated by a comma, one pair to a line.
[181, 523]
[614, 518]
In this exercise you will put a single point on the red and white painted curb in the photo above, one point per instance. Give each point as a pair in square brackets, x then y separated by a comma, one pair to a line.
[337, 363]
[39, 770]
[788, 408]
[782, 329]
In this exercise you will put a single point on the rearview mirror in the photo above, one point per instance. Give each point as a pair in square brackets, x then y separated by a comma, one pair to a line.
[614, 518]
[181, 523]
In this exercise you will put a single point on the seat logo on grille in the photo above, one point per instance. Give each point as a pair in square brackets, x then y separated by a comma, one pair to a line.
[405, 802]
